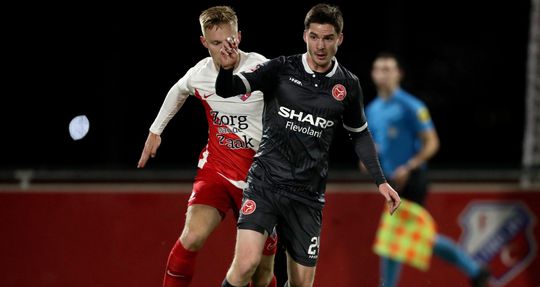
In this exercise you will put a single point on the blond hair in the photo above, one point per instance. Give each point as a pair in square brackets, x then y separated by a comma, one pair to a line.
[218, 15]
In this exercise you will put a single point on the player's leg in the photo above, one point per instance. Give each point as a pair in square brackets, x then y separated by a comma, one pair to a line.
[201, 220]
[415, 190]
[299, 228]
[264, 275]
[205, 209]
[444, 247]
[299, 275]
[257, 220]
[247, 255]
[449, 251]
[390, 271]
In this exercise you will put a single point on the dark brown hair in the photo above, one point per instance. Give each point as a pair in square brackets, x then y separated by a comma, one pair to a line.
[325, 14]
[389, 55]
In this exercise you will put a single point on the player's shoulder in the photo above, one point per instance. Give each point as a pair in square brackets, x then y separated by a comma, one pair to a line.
[253, 56]
[202, 65]
[276, 63]
[205, 62]
[347, 77]
[292, 60]
[375, 105]
[346, 73]
[409, 100]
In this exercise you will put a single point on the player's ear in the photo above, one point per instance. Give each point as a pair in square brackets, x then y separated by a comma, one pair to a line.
[203, 42]
[340, 39]
[401, 74]
[239, 37]
[305, 36]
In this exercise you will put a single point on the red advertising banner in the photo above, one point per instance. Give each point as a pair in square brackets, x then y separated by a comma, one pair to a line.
[115, 236]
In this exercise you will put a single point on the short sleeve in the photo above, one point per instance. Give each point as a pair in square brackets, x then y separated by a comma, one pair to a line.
[422, 118]
[354, 118]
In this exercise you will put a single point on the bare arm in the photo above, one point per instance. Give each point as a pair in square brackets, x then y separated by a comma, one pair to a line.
[430, 146]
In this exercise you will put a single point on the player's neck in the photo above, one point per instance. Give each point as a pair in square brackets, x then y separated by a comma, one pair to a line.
[386, 93]
[317, 68]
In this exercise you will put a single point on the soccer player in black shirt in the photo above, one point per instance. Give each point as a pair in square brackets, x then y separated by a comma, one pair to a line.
[305, 96]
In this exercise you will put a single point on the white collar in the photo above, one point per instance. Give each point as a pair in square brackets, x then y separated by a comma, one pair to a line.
[310, 71]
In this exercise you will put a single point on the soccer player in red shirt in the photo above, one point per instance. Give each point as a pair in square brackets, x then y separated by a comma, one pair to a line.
[233, 138]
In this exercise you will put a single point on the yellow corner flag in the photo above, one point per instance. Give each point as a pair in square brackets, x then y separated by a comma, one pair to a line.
[407, 236]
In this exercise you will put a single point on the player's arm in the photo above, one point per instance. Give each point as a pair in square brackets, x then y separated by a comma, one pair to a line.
[354, 121]
[430, 145]
[260, 78]
[229, 85]
[174, 100]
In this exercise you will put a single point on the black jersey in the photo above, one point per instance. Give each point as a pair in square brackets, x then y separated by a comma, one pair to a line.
[302, 110]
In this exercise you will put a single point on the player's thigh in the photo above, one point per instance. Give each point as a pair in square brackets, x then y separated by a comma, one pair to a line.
[258, 212]
[249, 246]
[201, 220]
[299, 229]
[299, 275]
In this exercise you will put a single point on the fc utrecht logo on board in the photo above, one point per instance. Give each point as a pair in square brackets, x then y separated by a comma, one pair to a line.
[339, 92]
[499, 235]
[248, 207]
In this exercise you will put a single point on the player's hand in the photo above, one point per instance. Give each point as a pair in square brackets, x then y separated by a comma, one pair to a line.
[391, 196]
[401, 176]
[229, 53]
[150, 148]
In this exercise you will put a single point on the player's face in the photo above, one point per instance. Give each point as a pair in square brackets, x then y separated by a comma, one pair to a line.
[386, 74]
[213, 39]
[322, 44]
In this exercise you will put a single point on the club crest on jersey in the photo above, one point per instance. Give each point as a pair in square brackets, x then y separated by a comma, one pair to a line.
[339, 92]
[499, 234]
[253, 69]
[248, 207]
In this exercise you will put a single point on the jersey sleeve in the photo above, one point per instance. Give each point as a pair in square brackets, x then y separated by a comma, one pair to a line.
[263, 77]
[422, 118]
[354, 118]
[174, 100]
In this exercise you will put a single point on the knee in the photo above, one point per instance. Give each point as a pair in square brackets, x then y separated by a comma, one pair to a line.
[192, 240]
[301, 279]
[263, 275]
[299, 284]
[245, 268]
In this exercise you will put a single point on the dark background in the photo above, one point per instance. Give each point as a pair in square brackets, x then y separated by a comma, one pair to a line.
[465, 59]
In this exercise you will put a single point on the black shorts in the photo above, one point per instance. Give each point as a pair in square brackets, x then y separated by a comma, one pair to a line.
[298, 225]
[416, 188]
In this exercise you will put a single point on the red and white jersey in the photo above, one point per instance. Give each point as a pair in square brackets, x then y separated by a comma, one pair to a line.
[234, 124]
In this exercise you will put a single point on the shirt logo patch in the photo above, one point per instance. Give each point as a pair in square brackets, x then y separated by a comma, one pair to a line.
[248, 207]
[295, 81]
[244, 97]
[207, 96]
[423, 115]
[339, 92]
